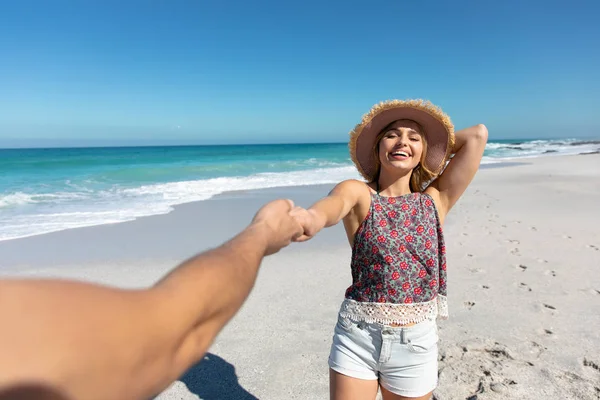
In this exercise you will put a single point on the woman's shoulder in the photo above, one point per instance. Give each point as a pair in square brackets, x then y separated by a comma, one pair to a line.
[354, 186]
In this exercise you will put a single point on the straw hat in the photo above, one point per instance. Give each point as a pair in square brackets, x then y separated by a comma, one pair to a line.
[439, 133]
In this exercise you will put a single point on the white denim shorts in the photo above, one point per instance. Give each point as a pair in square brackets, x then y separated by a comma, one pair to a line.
[403, 359]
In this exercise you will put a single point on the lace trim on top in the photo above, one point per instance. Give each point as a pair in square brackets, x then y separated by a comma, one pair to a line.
[390, 313]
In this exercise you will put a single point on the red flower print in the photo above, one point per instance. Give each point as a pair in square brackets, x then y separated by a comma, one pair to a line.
[428, 203]
[405, 286]
[414, 258]
[394, 234]
[378, 207]
[392, 292]
[383, 223]
[442, 282]
[428, 244]
[414, 211]
[422, 273]
[402, 248]
[359, 284]
[377, 267]
[395, 275]
[404, 265]
[433, 283]
[443, 249]
[379, 286]
[374, 249]
[392, 214]
[408, 300]
[381, 299]
[369, 234]
[368, 291]
[392, 200]
[418, 291]
[371, 275]
[404, 207]
[407, 222]
[430, 262]
[388, 259]
[409, 238]
[381, 239]
[431, 232]
[420, 229]
[443, 266]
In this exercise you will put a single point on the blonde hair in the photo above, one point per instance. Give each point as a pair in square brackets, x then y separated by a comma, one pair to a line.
[421, 176]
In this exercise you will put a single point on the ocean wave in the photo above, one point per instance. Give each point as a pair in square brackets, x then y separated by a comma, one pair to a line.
[20, 198]
[538, 148]
[125, 204]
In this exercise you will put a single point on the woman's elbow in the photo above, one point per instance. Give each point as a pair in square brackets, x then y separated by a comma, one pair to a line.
[481, 132]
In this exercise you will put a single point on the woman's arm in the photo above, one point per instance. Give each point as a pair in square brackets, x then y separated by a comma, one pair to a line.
[452, 183]
[331, 209]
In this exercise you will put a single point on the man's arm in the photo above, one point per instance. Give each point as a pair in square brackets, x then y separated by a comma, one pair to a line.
[73, 340]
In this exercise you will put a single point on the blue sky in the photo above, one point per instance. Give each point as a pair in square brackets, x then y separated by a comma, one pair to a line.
[150, 72]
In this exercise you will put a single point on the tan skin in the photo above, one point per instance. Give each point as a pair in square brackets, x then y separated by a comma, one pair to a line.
[400, 151]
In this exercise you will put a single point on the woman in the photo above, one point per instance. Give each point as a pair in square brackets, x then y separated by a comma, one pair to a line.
[386, 335]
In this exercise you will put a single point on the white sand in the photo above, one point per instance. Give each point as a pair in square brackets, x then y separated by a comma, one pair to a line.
[524, 287]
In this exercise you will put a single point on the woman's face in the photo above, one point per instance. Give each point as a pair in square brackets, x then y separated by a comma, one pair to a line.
[401, 147]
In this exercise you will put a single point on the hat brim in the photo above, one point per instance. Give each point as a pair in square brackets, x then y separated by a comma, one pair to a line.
[438, 132]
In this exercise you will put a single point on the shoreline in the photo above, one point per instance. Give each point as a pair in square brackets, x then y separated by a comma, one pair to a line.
[229, 194]
[502, 163]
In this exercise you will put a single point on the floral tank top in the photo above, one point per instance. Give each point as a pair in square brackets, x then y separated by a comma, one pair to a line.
[398, 263]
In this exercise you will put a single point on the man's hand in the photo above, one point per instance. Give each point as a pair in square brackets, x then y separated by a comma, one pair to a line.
[281, 227]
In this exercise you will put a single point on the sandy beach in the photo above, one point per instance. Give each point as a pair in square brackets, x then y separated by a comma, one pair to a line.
[524, 287]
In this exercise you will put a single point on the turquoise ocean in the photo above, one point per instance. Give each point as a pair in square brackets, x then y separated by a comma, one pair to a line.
[47, 190]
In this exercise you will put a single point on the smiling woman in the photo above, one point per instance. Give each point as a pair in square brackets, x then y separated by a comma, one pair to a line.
[386, 334]
[407, 139]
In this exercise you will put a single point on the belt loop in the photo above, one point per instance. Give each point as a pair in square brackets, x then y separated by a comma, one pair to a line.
[402, 336]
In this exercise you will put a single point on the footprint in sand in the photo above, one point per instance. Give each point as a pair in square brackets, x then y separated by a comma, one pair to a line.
[549, 306]
[591, 246]
[487, 287]
[524, 286]
[591, 364]
[548, 332]
[515, 251]
[469, 255]
[567, 237]
[469, 304]
[523, 267]
[513, 241]
[553, 273]
[542, 261]
[533, 228]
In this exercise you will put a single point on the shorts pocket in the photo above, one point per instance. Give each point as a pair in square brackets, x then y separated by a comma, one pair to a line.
[425, 343]
[346, 324]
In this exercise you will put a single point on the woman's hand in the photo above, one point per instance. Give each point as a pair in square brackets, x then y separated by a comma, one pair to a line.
[309, 221]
